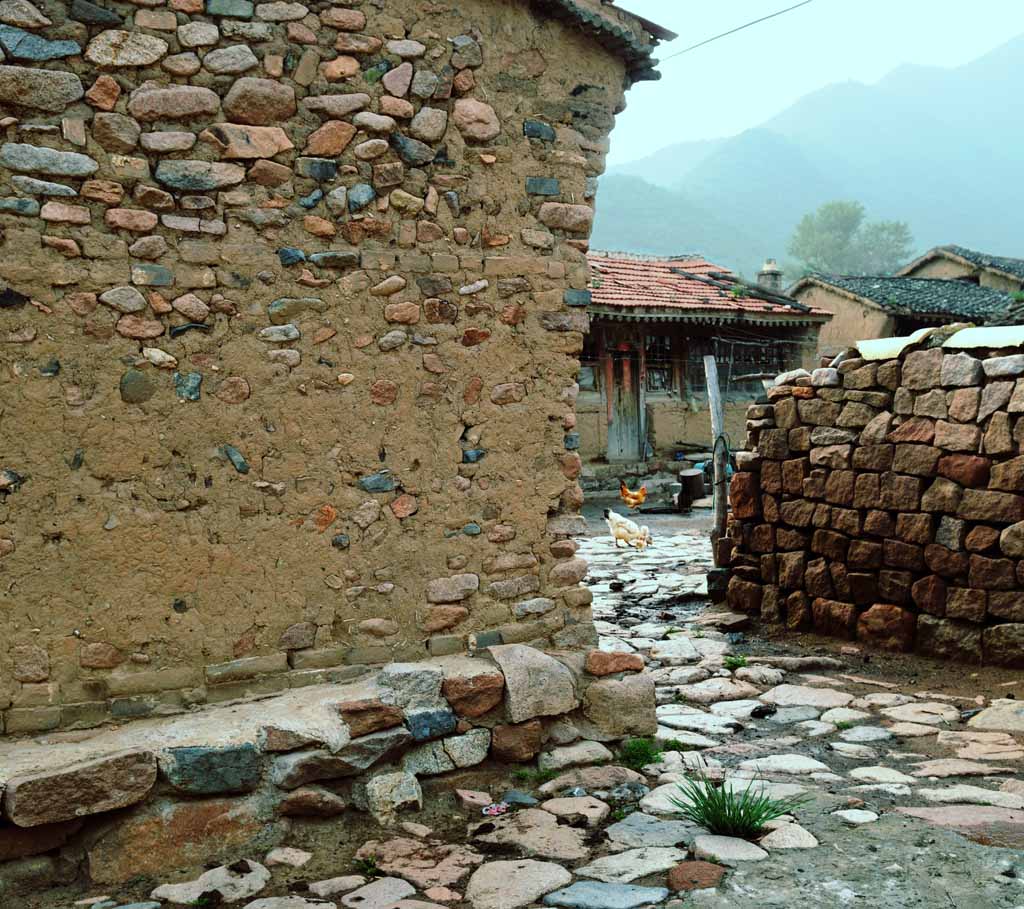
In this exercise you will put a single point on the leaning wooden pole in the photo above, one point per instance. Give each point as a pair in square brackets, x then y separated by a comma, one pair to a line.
[720, 455]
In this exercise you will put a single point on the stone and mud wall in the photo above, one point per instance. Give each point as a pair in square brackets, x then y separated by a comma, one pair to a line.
[288, 363]
[883, 501]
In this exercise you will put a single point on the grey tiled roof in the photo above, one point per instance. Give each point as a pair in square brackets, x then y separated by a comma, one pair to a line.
[924, 296]
[984, 260]
[1012, 315]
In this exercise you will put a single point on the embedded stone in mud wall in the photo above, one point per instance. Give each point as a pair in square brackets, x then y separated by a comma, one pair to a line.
[288, 360]
[892, 496]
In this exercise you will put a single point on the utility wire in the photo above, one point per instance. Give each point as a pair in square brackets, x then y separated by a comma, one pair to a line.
[733, 31]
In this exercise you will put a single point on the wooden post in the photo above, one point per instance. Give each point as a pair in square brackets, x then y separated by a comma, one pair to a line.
[721, 489]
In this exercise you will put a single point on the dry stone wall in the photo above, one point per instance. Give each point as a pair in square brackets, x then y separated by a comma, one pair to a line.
[288, 339]
[884, 501]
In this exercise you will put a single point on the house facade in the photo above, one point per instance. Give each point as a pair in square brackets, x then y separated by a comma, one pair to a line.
[878, 307]
[642, 391]
[959, 263]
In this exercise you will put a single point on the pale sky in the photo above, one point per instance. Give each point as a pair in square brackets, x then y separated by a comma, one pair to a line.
[740, 81]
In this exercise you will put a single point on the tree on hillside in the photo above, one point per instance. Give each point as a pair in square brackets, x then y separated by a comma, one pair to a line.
[836, 239]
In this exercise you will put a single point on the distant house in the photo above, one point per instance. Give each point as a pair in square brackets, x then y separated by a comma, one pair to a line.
[642, 387]
[879, 307]
[962, 264]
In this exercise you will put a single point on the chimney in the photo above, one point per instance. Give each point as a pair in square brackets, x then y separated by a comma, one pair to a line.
[770, 276]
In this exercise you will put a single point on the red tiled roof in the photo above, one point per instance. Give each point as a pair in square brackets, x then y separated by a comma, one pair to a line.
[631, 282]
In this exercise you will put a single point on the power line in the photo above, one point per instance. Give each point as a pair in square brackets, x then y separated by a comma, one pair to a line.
[733, 31]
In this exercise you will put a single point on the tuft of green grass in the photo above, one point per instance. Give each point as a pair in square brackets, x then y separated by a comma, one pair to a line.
[728, 813]
[620, 814]
[638, 753]
[676, 745]
[532, 777]
[844, 724]
[732, 663]
[367, 867]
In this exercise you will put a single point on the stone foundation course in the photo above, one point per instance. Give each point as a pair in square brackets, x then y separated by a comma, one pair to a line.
[882, 499]
[155, 795]
[290, 311]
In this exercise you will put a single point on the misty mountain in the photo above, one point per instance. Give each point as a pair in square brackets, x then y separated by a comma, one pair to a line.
[938, 148]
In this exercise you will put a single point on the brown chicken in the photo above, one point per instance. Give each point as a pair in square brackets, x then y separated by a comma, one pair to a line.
[632, 499]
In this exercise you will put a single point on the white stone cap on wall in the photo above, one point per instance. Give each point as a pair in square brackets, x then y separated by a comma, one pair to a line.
[996, 336]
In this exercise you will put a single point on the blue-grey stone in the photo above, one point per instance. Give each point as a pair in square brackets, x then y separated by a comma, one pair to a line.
[451, 199]
[381, 481]
[236, 458]
[319, 169]
[136, 387]
[335, 258]
[341, 541]
[177, 330]
[376, 72]
[519, 798]
[640, 830]
[10, 298]
[287, 309]
[132, 707]
[472, 529]
[23, 45]
[16, 206]
[572, 441]
[359, 196]
[280, 333]
[536, 129]
[543, 186]
[313, 199]
[198, 176]
[35, 159]
[473, 455]
[204, 770]
[628, 792]
[598, 895]
[236, 9]
[151, 905]
[488, 639]
[149, 275]
[50, 368]
[35, 187]
[290, 256]
[430, 724]
[590, 188]
[187, 386]
[412, 151]
[91, 14]
[577, 297]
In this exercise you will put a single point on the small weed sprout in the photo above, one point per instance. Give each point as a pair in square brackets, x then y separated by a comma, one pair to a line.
[367, 867]
[620, 814]
[726, 812]
[844, 724]
[638, 753]
[732, 663]
[676, 745]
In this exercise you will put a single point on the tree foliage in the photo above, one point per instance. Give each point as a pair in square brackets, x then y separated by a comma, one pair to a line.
[836, 239]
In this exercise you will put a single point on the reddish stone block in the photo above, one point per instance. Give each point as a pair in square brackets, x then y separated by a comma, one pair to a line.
[517, 743]
[771, 477]
[1009, 475]
[1006, 605]
[601, 663]
[744, 495]
[981, 538]
[879, 524]
[944, 561]
[817, 579]
[914, 528]
[967, 470]
[900, 493]
[887, 627]
[992, 574]
[787, 539]
[744, 596]
[695, 875]
[369, 715]
[965, 603]
[929, 595]
[865, 491]
[793, 473]
[864, 554]
[894, 586]
[797, 512]
[839, 487]
[798, 611]
[873, 457]
[986, 505]
[475, 695]
[834, 618]
[829, 544]
[903, 555]
[791, 567]
[863, 587]
[948, 640]
[915, 430]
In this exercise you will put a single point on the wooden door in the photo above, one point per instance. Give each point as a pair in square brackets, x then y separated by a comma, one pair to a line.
[624, 409]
